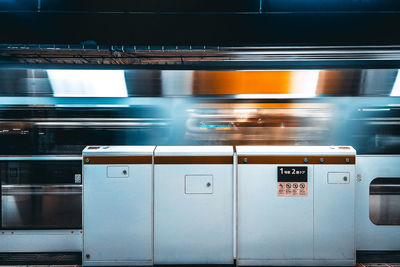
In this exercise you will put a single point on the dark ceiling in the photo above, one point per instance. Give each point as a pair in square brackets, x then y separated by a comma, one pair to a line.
[200, 22]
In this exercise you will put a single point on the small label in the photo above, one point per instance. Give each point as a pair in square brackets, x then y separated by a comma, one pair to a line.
[292, 181]
[78, 178]
[289, 189]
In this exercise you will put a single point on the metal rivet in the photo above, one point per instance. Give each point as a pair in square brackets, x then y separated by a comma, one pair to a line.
[347, 160]
[321, 160]
[305, 160]
[87, 160]
[245, 160]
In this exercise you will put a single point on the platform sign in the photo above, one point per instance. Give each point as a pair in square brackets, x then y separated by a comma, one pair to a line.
[292, 181]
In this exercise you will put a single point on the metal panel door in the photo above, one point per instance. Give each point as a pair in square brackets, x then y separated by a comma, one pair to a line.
[272, 227]
[193, 224]
[117, 218]
[369, 235]
[41, 193]
[334, 212]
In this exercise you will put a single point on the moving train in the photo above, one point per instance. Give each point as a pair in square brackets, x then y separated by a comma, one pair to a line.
[49, 115]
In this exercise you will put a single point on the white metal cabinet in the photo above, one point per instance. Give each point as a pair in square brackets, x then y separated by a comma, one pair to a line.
[193, 205]
[271, 227]
[117, 206]
[279, 225]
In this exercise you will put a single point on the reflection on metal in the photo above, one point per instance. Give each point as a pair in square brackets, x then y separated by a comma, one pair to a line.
[234, 84]
[384, 201]
[41, 207]
[44, 193]
[13, 190]
[171, 80]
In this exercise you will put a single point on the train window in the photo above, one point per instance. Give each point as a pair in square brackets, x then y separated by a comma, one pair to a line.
[41, 194]
[384, 201]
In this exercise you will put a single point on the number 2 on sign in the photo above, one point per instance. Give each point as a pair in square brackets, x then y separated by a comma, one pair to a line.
[293, 171]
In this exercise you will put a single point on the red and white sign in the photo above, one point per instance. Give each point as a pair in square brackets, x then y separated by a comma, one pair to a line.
[292, 189]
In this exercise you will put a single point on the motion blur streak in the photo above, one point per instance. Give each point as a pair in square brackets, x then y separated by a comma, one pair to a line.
[88, 83]
[44, 111]
[396, 86]
[256, 82]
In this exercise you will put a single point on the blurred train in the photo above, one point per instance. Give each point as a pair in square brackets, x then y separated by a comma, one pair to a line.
[48, 115]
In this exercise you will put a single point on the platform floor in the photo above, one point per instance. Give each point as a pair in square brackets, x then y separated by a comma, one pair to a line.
[358, 265]
[378, 265]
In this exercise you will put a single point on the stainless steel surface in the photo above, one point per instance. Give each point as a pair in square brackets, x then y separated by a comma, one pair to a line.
[41, 206]
[385, 209]
[384, 201]
[44, 193]
[37, 241]
[379, 207]
[12, 190]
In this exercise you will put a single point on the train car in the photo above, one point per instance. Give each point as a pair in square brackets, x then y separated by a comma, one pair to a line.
[190, 134]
